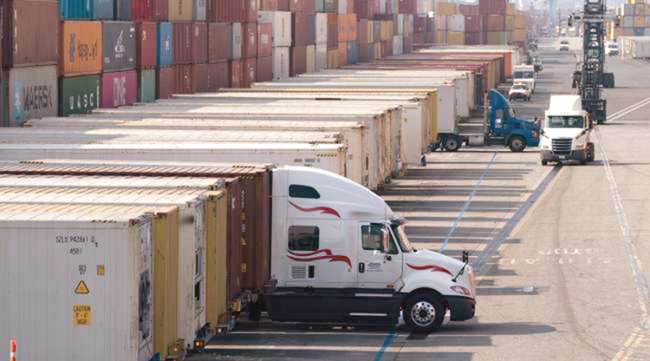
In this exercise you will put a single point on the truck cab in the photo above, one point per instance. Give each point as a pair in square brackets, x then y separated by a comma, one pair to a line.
[566, 131]
[340, 254]
[524, 74]
[505, 128]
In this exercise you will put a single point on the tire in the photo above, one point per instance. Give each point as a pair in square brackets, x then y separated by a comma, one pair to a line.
[591, 152]
[451, 143]
[254, 312]
[544, 162]
[517, 144]
[424, 312]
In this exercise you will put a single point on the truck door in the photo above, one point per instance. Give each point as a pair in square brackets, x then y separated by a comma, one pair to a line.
[379, 264]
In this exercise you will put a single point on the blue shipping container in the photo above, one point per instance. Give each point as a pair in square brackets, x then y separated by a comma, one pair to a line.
[639, 31]
[352, 52]
[123, 9]
[164, 50]
[86, 9]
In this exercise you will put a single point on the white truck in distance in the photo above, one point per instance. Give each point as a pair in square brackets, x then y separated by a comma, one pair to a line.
[566, 132]
[339, 254]
[524, 74]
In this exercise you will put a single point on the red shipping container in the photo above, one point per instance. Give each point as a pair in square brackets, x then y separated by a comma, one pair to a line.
[419, 24]
[408, 6]
[494, 22]
[366, 9]
[269, 5]
[472, 24]
[31, 33]
[295, 6]
[232, 11]
[165, 83]
[309, 6]
[264, 39]
[363, 52]
[298, 63]
[301, 30]
[146, 45]
[343, 54]
[249, 72]
[143, 10]
[161, 10]
[495, 7]
[236, 68]
[264, 69]
[200, 42]
[249, 40]
[182, 43]
[362, 34]
[200, 80]
[467, 9]
[183, 83]
[473, 38]
[419, 38]
[219, 39]
[283, 5]
[118, 88]
[218, 76]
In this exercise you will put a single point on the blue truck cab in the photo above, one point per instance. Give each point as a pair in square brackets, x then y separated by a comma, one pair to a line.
[503, 126]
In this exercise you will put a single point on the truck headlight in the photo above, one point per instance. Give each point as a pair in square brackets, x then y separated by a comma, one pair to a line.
[580, 142]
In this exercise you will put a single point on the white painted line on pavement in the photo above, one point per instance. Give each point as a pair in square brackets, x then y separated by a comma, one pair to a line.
[625, 111]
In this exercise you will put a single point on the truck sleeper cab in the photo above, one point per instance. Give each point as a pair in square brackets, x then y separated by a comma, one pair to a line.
[524, 74]
[566, 133]
[339, 254]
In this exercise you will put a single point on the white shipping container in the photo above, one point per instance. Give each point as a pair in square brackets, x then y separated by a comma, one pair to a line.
[237, 42]
[77, 281]
[343, 6]
[382, 6]
[635, 47]
[440, 22]
[280, 63]
[424, 7]
[321, 57]
[628, 21]
[456, 23]
[400, 26]
[311, 58]
[398, 45]
[321, 28]
[32, 93]
[281, 23]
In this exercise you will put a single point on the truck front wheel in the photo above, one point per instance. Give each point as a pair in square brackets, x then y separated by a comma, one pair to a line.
[591, 152]
[424, 312]
[517, 144]
[451, 143]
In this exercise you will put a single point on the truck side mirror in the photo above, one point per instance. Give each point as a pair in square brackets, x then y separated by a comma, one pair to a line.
[385, 241]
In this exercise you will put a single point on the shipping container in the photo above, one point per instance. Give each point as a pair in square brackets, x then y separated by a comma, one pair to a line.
[298, 63]
[304, 29]
[332, 59]
[311, 58]
[118, 45]
[200, 10]
[144, 10]
[468, 10]
[165, 46]
[87, 9]
[30, 33]
[237, 40]
[264, 71]
[321, 57]
[249, 40]
[281, 60]
[3, 94]
[281, 24]
[236, 70]
[321, 28]
[351, 52]
[32, 93]
[446, 8]
[199, 42]
[118, 88]
[264, 40]
[218, 75]
[79, 94]
[183, 36]
[398, 45]
[165, 83]
[492, 7]
[183, 79]
[230, 11]
[180, 10]
[81, 47]
[161, 8]
[146, 85]
[332, 32]
[495, 23]
[343, 53]
[219, 42]
[249, 74]
[105, 300]
[123, 10]
[473, 24]
[146, 39]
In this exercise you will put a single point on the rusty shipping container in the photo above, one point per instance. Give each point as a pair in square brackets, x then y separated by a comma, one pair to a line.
[249, 40]
[180, 10]
[249, 72]
[118, 88]
[495, 23]
[264, 69]
[473, 24]
[232, 11]
[200, 42]
[146, 38]
[492, 7]
[298, 63]
[264, 39]
[366, 9]
[183, 35]
[165, 83]
[200, 80]
[218, 75]
[468, 10]
[183, 79]
[161, 9]
[143, 10]
[30, 32]
[32, 93]
[81, 48]
[332, 32]
[219, 42]
[235, 68]
[118, 45]
[268, 5]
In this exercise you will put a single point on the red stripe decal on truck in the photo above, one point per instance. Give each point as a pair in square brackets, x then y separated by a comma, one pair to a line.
[432, 267]
[323, 210]
[327, 254]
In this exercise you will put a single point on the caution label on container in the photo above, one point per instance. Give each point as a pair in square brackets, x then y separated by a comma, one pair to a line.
[81, 288]
[81, 315]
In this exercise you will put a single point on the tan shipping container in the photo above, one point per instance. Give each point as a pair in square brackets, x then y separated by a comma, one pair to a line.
[455, 38]
[446, 8]
[81, 48]
[180, 10]
[510, 23]
[639, 21]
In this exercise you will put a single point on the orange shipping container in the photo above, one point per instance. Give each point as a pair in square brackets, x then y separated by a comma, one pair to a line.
[81, 47]
[343, 54]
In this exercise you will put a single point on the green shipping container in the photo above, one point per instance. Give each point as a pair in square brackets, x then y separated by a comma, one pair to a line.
[147, 86]
[78, 94]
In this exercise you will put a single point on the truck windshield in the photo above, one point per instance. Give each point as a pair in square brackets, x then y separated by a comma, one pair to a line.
[523, 75]
[565, 122]
[402, 239]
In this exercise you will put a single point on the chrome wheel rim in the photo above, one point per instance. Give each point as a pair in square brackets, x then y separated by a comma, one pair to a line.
[423, 313]
[451, 144]
[517, 144]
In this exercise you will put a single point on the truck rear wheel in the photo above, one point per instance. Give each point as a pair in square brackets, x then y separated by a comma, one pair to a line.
[451, 143]
[424, 312]
[517, 144]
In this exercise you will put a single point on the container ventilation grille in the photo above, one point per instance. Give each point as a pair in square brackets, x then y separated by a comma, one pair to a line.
[298, 272]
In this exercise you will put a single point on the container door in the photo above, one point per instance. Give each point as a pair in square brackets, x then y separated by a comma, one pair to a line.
[379, 263]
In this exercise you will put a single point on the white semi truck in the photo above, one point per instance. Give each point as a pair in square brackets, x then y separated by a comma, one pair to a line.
[524, 74]
[566, 132]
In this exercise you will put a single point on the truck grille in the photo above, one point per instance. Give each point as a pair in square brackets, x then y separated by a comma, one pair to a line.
[562, 145]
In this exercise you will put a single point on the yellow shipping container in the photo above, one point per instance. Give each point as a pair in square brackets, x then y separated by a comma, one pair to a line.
[180, 10]
[521, 22]
[333, 59]
[377, 52]
[386, 30]
[510, 23]
[446, 9]
[216, 222]
[440, 37]
[519, 35]
[511, 9]
[370, 32]
[455, 38]
[639, 21]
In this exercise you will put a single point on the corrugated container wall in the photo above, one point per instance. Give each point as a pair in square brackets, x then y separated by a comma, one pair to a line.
[237, 41]
[232, 10]
[219, 42]
[32, 93]
[143, 10]
[146, 45]
[78, 95]
[218, 76]
[31, 30]
[123, 9]
[497, 7]
[165, 83]
[86, 9]
[200, 42]
[118, 45]
[264, 40]
[183, 36]
[249, 40]
[118, 88]
[181, 10]
[200, 10]
[165, 46]
[146, 85]
[81, 47]
[281, 22]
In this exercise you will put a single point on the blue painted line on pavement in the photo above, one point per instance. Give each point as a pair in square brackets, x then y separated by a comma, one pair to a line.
[461, 214]
[387, 341]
